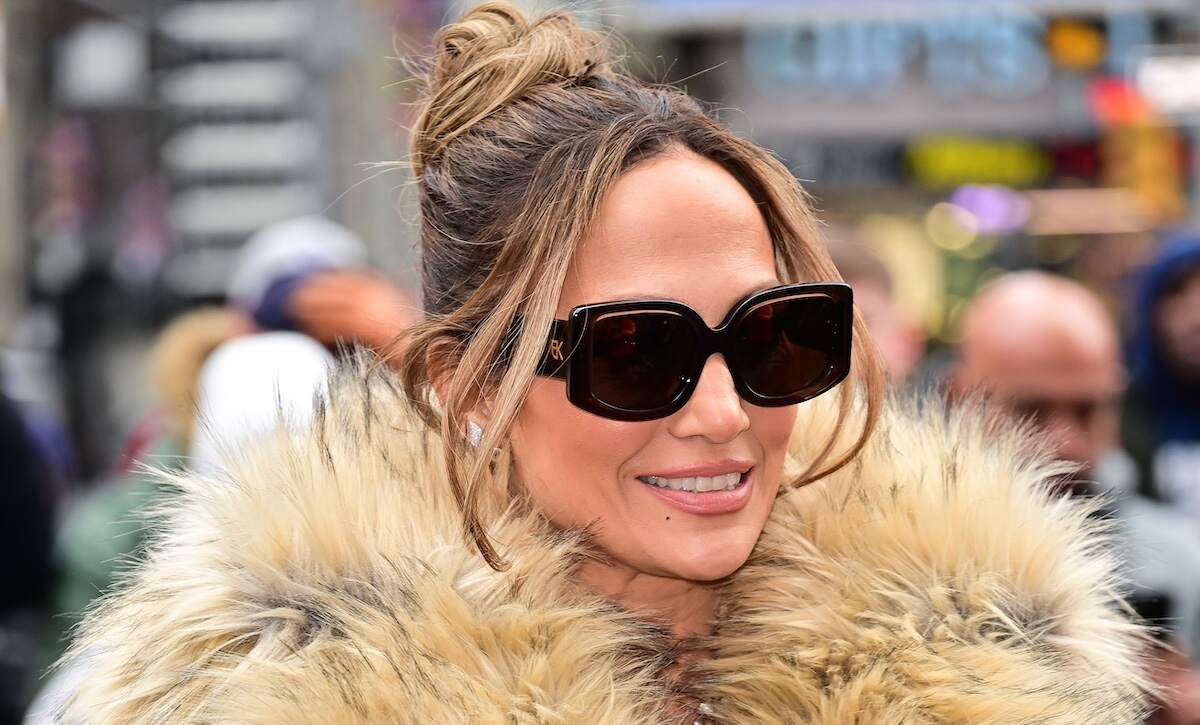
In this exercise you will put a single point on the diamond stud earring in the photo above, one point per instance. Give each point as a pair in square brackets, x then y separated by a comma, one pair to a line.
[474, 433]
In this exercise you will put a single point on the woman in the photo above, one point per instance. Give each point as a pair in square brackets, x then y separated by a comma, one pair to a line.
[629, 370]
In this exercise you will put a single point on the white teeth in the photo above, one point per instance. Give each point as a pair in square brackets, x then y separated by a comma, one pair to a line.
[697, 484]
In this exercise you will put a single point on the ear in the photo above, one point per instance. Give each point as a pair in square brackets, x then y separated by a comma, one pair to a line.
[439, 363]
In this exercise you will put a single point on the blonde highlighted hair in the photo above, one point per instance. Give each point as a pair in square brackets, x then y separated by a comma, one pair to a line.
[525, 126]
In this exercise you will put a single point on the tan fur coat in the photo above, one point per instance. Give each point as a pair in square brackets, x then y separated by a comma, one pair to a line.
[326, 581]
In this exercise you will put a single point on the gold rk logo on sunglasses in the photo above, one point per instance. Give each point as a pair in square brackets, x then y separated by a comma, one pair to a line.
[556, 350]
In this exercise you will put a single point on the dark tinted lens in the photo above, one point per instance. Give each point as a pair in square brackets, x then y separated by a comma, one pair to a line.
[639, 360]
[786, 347]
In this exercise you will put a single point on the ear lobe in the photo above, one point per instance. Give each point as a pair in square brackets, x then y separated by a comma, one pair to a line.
[441, 374]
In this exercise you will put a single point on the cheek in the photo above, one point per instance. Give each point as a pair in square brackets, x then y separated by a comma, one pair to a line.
[1175, 319]
[772, 428]
[570, 462]
[1103, 430]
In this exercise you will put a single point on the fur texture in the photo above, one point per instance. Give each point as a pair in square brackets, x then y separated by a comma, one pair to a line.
[326, 581]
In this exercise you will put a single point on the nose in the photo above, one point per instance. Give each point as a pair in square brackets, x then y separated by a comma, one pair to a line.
[1065, 438]
[715, 409]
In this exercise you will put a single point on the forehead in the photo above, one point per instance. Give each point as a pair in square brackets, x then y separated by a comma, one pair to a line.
[679, 227]
[1045, 360]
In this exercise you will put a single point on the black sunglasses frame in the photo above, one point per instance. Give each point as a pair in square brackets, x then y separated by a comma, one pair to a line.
[564, 359]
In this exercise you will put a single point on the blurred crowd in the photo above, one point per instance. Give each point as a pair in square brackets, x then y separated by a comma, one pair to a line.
[301, 295]
[1120, 409]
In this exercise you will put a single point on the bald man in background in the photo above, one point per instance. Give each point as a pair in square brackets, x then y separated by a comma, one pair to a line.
[1046, 348]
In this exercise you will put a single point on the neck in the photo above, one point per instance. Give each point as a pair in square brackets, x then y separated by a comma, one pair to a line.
[684, 607]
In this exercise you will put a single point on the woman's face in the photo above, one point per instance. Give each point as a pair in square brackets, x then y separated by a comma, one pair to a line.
[675, 227]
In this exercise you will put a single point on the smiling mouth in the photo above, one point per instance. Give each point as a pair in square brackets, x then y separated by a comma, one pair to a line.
[698, 484]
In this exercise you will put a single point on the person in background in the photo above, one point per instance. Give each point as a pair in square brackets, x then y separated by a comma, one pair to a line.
[309, 275]
[250, 386]
[297, 285]
[899, 339]
[1045, 348]
[213, 378]
[26, 530]
[1160, 421]
[299, 288]
[305, 285]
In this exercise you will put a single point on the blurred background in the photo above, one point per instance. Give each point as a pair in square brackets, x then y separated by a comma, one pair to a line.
[153, 147]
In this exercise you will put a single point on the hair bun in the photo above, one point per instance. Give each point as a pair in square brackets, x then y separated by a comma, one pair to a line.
[492, 57]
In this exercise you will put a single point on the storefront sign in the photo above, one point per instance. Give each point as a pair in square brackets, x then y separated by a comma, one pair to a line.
[1002, 54]
[939, 162]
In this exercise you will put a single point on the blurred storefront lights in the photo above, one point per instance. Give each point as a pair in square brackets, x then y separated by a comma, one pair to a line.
[950, 226]
[1075, 44]
[940, 161]
[997, 209]
[1086, 211]
[918, 268]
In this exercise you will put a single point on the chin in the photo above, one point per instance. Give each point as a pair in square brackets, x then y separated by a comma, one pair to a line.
[716, 562]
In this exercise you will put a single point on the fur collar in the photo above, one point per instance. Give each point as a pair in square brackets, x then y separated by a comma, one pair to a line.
[326, 581]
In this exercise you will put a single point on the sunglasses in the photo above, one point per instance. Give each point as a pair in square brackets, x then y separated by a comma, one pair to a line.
[641, 359]
[1080, 411]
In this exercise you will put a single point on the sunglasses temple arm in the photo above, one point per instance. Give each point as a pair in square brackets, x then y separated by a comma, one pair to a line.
[554, 358]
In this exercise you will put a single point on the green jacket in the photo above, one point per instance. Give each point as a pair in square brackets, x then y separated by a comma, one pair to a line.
[103, 535]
